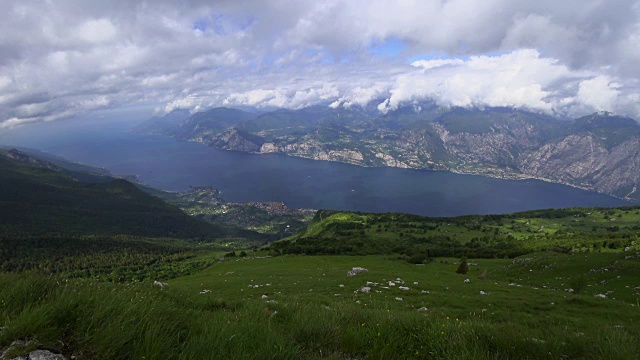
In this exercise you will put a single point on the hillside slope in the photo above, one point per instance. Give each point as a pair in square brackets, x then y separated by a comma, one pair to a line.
[480, 236]
[39, 197]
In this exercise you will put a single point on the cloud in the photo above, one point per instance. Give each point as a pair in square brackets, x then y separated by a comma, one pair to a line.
[519, 79]
[67, 57]
[598, 93]
[97, 30]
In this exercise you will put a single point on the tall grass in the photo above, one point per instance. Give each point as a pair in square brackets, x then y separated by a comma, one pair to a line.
[118, 321]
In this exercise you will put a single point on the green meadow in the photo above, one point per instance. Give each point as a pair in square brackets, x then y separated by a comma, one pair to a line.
[306, 307]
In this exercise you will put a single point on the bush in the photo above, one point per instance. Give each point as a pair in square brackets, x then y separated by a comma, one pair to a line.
[463, 268]
[417, 258]
[578, 283]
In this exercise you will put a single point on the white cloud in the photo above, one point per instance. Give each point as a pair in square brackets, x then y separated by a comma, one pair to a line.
[521, 79]
[430, 64]
[97, 30]
[598, 93]
[59, 58]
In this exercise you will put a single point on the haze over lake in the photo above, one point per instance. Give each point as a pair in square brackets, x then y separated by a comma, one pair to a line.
[166, 163]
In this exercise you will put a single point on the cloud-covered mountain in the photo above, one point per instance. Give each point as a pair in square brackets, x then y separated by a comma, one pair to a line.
[69, 57]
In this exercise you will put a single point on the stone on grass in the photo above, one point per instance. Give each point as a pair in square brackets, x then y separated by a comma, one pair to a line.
[45, 355]
[423, 309]
[466, 281]
[160, 284]
[398, 299]
[356, 270]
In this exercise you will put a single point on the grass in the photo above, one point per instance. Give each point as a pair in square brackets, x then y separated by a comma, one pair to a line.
[571, 230]
[301, 316]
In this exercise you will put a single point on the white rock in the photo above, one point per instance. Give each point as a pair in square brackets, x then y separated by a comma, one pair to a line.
[356, 270]
[391, 283]
[45, 355]
[365, 289]
[398, 299]
[423, 309]
[482, 292]
[466, 281]
[403, 288]
[264, 296]
[601, 296]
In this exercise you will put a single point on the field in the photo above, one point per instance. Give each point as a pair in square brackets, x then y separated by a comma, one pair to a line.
[483, 236]
[307, 307]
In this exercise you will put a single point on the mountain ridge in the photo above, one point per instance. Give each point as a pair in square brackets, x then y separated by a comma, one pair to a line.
[40, 198]
[598, 152]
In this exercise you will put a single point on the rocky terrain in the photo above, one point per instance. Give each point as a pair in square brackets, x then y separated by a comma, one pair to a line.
[599, 152]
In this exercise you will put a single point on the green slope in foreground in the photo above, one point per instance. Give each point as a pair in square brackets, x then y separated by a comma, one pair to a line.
[305, 307]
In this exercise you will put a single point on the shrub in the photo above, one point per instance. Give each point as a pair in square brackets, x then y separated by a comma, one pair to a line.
[417, 258]
[463, 268]
[578, 283]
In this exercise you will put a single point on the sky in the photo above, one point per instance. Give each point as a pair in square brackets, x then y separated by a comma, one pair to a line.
[64, 58]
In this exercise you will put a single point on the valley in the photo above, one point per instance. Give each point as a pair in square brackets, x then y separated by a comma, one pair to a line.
[96, 267]
[334, 179]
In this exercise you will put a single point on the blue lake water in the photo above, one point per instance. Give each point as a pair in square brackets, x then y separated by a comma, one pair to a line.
[166, 163]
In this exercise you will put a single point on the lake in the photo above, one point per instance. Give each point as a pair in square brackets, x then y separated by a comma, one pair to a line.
[166, 163]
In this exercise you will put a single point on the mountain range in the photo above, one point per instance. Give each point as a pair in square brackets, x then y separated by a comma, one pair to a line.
[598, 152]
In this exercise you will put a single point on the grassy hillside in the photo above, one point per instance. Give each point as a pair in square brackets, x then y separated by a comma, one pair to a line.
[54, 222]
[418, 238]
[38, 197]
[293, 307]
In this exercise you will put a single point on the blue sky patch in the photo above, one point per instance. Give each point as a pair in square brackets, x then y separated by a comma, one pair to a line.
[388, 47]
